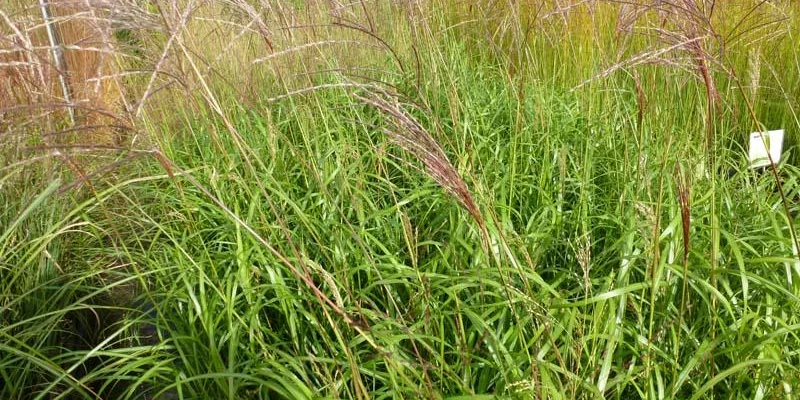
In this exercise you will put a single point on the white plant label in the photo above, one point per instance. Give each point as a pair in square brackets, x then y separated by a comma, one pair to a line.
[762, 149]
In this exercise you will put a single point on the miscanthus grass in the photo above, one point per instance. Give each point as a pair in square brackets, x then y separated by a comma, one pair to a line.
[463, 222]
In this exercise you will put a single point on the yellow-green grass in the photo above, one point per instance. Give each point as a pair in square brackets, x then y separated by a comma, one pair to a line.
[415, 200]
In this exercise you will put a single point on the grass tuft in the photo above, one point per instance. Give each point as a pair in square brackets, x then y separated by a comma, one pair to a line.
[374, 199]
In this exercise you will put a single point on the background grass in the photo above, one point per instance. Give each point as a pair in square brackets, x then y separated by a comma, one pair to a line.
[407, 200]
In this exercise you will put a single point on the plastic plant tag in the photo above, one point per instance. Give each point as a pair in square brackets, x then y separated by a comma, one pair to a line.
[772, 142]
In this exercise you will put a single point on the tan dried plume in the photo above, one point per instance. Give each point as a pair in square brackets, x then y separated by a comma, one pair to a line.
[411, 136]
